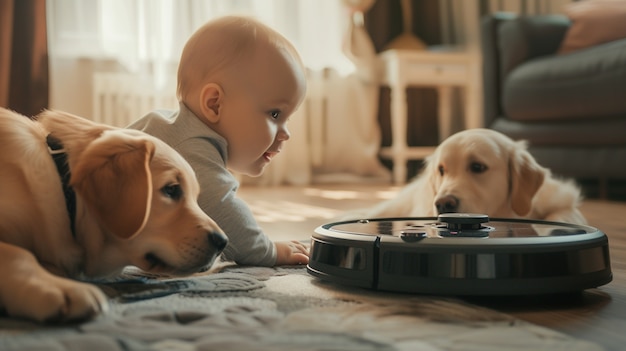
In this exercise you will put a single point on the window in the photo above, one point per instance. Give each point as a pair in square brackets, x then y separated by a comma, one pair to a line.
[139, 32]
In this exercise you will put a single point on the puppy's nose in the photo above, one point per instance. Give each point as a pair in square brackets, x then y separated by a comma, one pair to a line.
[218, 239]
[447, 204]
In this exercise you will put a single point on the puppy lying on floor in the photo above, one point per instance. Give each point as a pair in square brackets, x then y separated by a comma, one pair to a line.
[84, 200]
[483, 171]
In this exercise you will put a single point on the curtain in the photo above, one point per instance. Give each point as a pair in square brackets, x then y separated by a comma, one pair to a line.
[147, 36]
[524, 7]
[352, 124]
[459, 27]
[23, 56]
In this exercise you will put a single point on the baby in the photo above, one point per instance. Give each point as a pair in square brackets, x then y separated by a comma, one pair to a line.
[238, 83]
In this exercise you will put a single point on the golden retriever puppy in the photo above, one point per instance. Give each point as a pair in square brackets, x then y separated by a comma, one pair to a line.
[83, 200]
[483, 171]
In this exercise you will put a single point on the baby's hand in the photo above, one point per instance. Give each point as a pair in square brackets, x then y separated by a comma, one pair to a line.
[291, 253]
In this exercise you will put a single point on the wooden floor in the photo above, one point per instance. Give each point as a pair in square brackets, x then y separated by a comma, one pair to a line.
[598, 315]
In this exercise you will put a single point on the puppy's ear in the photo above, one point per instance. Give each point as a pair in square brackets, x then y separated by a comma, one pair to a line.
[113, 177]
[424, 202]
[431, 172]
[526, 177]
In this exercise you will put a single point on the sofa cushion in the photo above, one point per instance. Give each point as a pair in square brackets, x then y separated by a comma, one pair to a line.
[600, 132]
[594, 22]
[585, 83]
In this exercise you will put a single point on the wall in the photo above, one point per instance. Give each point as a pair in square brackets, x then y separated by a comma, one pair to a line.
[71, 83]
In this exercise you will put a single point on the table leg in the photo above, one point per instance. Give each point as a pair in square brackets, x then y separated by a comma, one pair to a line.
[398, 133]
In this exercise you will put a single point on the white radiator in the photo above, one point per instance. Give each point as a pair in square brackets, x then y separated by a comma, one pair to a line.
[120, 98]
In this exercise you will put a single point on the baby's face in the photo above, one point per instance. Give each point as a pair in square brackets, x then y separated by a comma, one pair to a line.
[256, 109]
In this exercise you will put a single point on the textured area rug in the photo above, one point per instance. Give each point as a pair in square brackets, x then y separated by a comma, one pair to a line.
[251, 308]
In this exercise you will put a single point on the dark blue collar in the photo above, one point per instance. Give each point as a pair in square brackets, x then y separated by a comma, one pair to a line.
[60, 159]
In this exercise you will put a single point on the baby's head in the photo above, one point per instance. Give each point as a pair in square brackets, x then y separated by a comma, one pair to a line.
[242, 79]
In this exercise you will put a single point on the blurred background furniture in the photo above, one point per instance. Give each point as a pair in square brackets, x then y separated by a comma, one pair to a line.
[571, 107]
[443, 69]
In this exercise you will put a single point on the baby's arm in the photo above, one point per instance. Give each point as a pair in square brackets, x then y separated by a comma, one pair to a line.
[291, 253]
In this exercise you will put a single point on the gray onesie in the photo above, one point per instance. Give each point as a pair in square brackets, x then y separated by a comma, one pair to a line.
[206, 151]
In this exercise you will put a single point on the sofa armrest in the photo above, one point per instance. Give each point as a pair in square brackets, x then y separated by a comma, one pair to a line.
[527, 37]
[508, 40]
[492, 106]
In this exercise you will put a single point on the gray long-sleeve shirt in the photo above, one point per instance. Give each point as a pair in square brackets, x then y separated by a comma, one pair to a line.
[206, 151]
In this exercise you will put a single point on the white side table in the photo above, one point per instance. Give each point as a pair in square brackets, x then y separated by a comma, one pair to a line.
[442, 69]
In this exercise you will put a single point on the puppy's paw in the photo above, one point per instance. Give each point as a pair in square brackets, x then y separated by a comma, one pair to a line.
[51, 298]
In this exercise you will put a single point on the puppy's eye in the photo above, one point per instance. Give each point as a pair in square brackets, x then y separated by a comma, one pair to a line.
[275, 114]
[476, 167]
[173, 191]
[441, 170]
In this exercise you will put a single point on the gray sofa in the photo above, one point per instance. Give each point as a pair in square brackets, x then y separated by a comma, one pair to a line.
[570, 107]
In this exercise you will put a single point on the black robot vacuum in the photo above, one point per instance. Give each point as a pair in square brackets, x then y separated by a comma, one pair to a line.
[461, 254]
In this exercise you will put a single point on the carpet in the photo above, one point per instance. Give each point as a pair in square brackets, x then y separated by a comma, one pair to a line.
[283, 308]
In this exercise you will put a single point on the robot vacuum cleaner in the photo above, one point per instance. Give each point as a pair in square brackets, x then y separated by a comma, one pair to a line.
[461, 254]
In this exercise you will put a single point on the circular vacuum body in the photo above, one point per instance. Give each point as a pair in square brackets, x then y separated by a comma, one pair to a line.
[461, 254]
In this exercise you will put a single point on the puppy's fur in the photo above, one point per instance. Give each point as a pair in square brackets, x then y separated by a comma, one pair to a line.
[136, 204]
[483, 171]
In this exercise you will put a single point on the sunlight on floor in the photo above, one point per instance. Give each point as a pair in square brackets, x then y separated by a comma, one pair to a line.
[315, 203]
[349, 194]
[288, 211]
